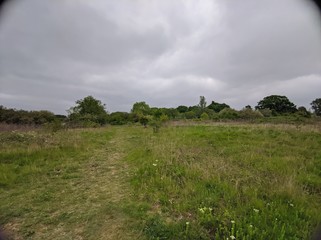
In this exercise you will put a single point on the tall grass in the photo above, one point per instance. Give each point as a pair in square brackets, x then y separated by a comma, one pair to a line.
[221, 181]
[226, 182]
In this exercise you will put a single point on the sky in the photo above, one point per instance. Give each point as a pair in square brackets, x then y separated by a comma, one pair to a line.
[166, 53]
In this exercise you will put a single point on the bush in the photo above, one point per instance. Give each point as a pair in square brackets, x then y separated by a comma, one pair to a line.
[249, 114]
[266, 112]
[204, 116]
[54, 126]
[228, 113]
[190, 115]
[303, 112]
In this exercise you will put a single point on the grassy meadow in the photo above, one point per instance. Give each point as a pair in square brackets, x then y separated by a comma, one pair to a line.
[201, 181]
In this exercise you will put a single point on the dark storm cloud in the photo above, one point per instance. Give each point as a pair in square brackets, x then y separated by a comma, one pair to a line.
[163, 52]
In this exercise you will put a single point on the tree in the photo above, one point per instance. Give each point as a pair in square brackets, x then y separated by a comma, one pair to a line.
[278, 104]
[217, 107]
[88, 109]
[141, 108]
[118, 118]
[202, 103]
[316, 106]
[303, 112]
[182, 109]
[89, 105]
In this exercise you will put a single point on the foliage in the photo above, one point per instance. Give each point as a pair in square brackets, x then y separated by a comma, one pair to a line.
[190, 115]
[88, 112]
[89, 105]
[13, 116]
[228, 113]
[118, 118]
[303, 112]
[54, 126]
[248, 113]
[144, 119]
[163, 118]
[266, 112]
[141, 108]
[316, 106]
[182, 109]
[278, 104]
[217, 107]
[204, 116]
[202, 103]
[172, 113]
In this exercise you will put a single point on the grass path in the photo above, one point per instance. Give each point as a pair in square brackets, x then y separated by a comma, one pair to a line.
[81, 197]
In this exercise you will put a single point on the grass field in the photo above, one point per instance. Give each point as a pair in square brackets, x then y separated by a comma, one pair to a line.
[222, 181]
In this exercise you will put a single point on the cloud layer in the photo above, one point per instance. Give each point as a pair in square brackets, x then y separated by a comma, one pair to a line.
[163, 52]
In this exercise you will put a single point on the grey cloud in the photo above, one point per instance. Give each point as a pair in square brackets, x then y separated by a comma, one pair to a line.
[163, 52]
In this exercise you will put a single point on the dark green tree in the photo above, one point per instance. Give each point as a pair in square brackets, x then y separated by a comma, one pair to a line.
[118, 118]
[217, 107]
[316, 106]
[277, 104]
[89, 105]
[182, 109]
[141, 108]
[88, 109]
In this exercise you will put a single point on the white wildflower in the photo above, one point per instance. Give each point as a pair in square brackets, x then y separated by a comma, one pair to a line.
[232, 237]
[202, 210]
[256, 210]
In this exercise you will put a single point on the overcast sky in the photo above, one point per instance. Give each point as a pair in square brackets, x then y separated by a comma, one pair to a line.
[164, 52]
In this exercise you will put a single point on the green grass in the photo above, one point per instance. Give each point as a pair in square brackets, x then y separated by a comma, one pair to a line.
[184, 182]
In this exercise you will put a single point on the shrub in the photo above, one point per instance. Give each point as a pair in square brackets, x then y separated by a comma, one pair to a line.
[266, 112]
[204, 116]
[248, 113]
[228, 113]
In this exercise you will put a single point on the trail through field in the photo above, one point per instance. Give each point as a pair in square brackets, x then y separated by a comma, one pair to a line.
[106, 187]
[83, 198]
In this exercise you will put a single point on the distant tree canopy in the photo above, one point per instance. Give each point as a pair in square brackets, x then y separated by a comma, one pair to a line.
[88, 110]
[182, 109]
[217, 107]
[13, 116]
[141, 108]
[316, 106]
[89, 105]
[277, 104]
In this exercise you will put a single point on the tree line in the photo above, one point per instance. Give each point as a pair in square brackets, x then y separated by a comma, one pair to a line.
[91, 112]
